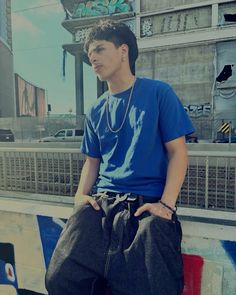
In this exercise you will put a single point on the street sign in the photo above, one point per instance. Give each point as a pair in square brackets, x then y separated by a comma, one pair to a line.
[225, 127]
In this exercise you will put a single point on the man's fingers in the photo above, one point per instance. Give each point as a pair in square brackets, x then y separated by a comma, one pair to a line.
[142, 209]
[94, 204]
[85, 199]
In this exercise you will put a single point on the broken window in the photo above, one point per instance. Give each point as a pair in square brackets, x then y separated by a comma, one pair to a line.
[225, 73]
[230, 17]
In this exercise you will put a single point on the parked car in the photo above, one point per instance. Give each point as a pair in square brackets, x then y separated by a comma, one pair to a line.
[191, 139]
[6, 135]
[225, 140]
[65, 135]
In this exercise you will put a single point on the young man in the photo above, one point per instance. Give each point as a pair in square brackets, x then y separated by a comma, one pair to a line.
[126, 236]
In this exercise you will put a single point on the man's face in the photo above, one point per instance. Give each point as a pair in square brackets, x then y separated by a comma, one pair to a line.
[106, 59]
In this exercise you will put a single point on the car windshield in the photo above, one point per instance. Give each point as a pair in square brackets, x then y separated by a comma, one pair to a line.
[5, 131]
[60, 133]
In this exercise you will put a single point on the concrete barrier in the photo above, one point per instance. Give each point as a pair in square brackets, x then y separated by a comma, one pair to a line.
[29, 230]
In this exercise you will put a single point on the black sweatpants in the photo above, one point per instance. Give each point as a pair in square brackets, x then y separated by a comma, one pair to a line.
[113, 248]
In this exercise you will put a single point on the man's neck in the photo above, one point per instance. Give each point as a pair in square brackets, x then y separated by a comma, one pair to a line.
[120, 84]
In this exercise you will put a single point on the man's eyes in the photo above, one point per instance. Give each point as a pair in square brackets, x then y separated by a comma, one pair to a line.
[96, 50]
[99, 49]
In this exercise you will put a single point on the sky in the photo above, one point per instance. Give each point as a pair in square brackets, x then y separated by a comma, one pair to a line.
[38, 55]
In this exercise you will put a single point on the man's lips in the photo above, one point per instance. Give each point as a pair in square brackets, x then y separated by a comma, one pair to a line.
[97, 68]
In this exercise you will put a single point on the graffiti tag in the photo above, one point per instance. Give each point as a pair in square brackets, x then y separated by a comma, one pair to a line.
[178, 22]
[198, 110]
[146, 27]
[101, 7]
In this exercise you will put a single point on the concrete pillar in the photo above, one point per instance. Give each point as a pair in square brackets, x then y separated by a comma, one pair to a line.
[215, 15]
[101, 87]
[79, 84]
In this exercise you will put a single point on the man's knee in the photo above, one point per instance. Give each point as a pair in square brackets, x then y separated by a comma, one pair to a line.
[51, 279]
[56, 275]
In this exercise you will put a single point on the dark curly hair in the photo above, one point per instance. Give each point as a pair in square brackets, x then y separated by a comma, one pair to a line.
[116, 32]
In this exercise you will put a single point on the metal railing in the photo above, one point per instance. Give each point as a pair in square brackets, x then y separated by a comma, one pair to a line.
[47, 171]
[210, 181]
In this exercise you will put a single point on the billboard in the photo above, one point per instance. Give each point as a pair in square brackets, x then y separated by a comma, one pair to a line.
[30, 100]
[40, 102]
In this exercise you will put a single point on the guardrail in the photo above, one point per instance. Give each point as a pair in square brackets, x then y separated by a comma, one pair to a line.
[210, 181]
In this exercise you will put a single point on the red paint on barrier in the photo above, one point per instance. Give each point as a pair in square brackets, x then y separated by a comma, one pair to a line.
[193, 265]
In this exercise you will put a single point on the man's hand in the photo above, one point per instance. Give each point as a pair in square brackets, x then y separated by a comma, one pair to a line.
[156, 209]
[86, 199]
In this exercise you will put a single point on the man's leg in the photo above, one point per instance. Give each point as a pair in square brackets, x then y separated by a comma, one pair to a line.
[149, 261]
[77, 264]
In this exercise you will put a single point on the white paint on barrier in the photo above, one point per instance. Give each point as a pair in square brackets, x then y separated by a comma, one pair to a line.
[212, 277]
[21, 230]
[7, 290]
[208, 230]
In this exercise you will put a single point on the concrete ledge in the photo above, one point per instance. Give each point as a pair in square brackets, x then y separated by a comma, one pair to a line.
[43, 204]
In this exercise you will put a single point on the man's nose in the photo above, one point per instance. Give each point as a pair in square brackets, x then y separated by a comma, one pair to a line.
[92, 58]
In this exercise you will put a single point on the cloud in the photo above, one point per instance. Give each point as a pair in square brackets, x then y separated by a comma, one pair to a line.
[21, 24]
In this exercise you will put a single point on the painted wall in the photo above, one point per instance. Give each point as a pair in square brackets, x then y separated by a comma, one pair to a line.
[27, 242]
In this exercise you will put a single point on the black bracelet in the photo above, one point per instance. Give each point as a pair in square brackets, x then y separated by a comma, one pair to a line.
[168, 207]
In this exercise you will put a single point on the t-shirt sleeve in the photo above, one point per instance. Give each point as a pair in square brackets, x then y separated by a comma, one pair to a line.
[90, 142]
[174, 121]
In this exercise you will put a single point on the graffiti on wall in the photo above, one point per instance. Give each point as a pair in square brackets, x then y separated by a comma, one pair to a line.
[26, 247]
[8, 275]
[48, 230]
[146, 27]
[101, 7]
[175, 22]
[7, 265]
[202, 110]
[81, 34]
[193, 267]
[179, 22]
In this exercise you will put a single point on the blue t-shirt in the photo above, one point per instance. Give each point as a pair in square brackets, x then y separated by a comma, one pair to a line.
[135, 159]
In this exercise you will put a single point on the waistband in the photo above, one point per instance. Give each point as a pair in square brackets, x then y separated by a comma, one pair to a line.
[130, 197]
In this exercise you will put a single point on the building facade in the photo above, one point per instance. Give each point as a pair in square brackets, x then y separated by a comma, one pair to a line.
[190, 44]
[7, 98]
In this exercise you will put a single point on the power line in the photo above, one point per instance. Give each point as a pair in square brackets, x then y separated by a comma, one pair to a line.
[37, 48]
[36, 7]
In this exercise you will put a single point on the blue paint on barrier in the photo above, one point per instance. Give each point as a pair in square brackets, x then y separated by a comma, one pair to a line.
[230, 248]
[50, 230]
[7, 265]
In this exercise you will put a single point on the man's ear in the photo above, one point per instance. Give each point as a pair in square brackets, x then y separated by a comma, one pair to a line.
[125, 50]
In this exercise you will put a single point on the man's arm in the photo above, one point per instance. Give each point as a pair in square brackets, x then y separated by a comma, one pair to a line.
[178, 161]
[88, 178]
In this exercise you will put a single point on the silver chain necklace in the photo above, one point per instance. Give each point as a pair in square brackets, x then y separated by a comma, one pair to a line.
[125, 115]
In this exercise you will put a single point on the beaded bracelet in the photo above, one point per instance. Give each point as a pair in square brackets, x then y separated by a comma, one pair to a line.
[173, 210]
